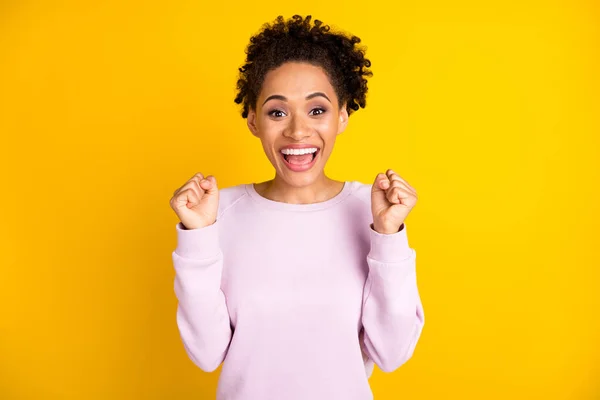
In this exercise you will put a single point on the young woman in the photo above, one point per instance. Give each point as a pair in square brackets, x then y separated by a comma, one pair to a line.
[299, 284]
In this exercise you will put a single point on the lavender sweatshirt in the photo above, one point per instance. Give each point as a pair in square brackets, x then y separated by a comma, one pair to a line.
[298, 301]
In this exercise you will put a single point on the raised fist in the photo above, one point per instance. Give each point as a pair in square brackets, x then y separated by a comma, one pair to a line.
[196, 203]
[392, 198]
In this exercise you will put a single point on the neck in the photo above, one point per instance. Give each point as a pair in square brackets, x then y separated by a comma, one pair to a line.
[322, 189]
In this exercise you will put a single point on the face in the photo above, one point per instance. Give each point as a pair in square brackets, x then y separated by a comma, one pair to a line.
[297, 105]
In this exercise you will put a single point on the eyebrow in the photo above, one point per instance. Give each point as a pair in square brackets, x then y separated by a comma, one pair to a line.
[310, 96]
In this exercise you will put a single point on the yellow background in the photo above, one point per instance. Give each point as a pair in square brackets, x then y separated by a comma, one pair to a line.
[489, 109]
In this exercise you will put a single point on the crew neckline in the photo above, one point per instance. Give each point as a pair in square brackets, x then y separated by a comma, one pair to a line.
[279, 205]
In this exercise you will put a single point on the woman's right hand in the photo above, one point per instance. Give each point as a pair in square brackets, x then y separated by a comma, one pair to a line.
[196, 203]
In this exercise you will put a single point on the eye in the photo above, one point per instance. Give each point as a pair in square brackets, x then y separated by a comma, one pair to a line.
[321, 110]
[276, 113]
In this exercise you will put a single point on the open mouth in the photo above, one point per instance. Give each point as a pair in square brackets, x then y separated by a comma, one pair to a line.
[305, 159]
[300, 162]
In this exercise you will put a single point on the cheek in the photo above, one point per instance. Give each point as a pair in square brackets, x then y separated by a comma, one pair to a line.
[329, 127]
[270, 129]
[326, 124]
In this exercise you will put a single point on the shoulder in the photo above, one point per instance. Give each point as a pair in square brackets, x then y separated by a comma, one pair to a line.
[359, 206]
[362, 191]
[230, 196]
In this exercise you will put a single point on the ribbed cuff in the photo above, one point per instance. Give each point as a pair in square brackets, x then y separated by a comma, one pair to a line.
[200, 243]
[389, 248]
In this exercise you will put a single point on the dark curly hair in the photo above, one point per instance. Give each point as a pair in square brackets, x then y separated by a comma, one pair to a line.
[296, 40]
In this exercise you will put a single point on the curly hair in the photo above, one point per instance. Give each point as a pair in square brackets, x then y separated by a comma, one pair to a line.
[296, 40]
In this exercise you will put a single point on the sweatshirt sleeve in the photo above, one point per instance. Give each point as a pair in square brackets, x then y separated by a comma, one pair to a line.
[202, 315]
[392, 311]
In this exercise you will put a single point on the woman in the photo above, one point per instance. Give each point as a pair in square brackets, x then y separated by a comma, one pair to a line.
[300, 284]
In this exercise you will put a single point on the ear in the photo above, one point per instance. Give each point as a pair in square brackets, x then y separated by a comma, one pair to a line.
[343, 119]
[251, 121]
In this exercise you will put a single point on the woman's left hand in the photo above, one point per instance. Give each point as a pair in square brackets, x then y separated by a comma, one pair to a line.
[392, 198]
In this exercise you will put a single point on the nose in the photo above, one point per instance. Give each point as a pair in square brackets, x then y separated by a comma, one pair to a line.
[298, 129]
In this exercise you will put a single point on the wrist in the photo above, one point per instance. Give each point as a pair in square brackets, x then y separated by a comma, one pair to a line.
[386, 230]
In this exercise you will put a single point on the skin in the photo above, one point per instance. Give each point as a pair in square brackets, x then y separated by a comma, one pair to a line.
[291, 118]
[296, 120]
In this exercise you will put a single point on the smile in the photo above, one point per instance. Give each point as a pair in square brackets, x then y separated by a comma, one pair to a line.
[302, 162]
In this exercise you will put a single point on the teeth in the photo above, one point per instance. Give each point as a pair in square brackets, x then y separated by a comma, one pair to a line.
[298, 152]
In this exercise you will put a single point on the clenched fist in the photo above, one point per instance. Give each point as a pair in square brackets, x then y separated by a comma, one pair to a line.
[392, 198]
[196, 203]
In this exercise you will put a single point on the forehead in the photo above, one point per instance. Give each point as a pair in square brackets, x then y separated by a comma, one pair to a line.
[295, 80]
